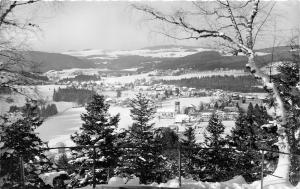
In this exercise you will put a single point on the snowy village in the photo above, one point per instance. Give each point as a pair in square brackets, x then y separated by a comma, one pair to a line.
[150, 94]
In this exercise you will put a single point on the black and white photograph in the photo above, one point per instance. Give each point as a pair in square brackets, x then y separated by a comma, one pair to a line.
[150, 94]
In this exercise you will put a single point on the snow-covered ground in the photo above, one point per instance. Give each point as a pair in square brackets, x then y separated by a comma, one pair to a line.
[69, 73]
[238, 182]
[126, 79]
[184, 102]
[173, 52]
[44, 92]
[204, 74]
[58, 128]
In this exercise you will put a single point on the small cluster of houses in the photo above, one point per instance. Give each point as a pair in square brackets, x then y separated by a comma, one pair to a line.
[181, 117]
[194, 114]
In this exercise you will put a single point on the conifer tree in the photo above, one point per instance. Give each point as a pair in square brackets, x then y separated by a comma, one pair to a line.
[97, 130]
[250, 110]
[169, 141]
[189, 145]
[20, 143]
[242, 140]
[247, 138]
[143, 160]
[287, 81]
[216, 159]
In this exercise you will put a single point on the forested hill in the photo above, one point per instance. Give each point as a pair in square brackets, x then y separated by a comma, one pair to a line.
[174, 57]
[229, 83]
[211, 60]
[36, 61]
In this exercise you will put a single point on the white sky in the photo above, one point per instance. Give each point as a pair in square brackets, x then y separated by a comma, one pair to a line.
[114, 25]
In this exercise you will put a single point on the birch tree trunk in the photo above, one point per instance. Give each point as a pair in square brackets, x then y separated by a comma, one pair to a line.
[284, 161]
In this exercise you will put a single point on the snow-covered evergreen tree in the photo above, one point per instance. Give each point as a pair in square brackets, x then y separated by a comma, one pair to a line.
[287, 80]
[242, 140]
[143, 159]
[247, 138]
[188, 148]
[216, 160]
[98, 129]
[169, 141]
[19, 142]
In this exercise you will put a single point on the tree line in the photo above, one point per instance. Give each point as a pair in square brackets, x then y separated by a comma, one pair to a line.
[152, 154]
[72, 94]
[82, 78]
[43, 111]
[228, 83]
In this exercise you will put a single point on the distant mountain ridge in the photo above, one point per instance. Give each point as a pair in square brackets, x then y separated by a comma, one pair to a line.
[149, 58]
[186, 57]
[37, 61]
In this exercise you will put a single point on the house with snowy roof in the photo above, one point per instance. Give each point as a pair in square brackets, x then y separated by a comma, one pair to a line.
[206, 115]
[182, 118]
[165, 113]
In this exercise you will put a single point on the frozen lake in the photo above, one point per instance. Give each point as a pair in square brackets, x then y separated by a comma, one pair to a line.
[59, 128]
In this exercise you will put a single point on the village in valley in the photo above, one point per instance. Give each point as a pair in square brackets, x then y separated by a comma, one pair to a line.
[177, 107]
[154, 95]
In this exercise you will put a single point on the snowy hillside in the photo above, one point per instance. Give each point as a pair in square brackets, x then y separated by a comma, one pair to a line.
[169, 52]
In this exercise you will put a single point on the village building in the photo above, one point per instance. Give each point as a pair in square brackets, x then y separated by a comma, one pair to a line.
[165, 113]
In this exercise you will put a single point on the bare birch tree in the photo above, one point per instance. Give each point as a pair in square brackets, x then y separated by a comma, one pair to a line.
[236, 25]
[12, 28]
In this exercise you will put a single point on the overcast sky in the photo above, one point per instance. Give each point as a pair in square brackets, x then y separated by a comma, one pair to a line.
[114, 25]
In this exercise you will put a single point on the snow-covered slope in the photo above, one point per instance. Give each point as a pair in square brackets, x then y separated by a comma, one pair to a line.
[169, 52]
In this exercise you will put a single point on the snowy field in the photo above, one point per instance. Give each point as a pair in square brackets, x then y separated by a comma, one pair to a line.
[184, 102]
[238, 182]
[58, 128]
[203, 74]
[44, 92]
[158, 53]
[69, 73]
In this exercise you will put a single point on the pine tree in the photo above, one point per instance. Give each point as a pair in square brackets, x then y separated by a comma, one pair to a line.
[242, 140]
[189, 145]
[169, 141]
[247, 138]
[143, 160]
[18, 139]
[250, 110]
[286, 81]
[97, 130]
[216, 106]
[63, 161]
[216, 159]
[215, 129]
